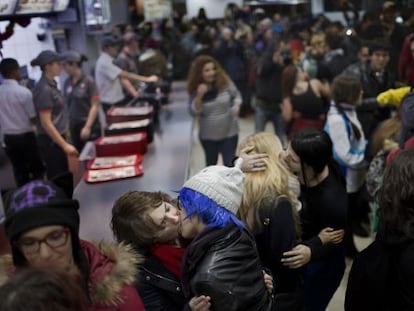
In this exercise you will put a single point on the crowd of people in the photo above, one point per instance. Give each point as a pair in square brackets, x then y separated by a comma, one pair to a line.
[269, 228]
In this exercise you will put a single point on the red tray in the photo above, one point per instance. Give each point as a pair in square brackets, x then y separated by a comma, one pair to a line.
[118, 145]
[110, 174]
[124, 114]
[113, 162]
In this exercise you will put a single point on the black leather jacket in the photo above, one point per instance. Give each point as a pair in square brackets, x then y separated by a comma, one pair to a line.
[224, 264]
[159, 289]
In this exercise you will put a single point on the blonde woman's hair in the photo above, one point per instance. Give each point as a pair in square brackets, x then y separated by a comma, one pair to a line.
[272, 182]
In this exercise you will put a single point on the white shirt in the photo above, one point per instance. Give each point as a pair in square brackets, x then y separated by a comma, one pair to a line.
[16, 108]
[107, 79]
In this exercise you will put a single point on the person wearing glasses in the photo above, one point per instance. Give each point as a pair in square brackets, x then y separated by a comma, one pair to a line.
[42, 226]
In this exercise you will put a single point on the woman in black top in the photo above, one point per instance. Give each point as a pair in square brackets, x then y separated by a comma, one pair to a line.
[324, 202]
[303, 105]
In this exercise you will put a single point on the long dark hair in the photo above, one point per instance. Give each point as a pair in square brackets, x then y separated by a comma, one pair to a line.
[314, 148]
[396, 200]
[346, 89]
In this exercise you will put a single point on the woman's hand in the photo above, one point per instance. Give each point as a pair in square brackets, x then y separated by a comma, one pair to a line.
[299, 256]
[70, 150]
[235, 110]
[202, 89]
[268, 279]
[252, 162]
[200, 303]
[152, 78]
[329, 235]
[85, 133]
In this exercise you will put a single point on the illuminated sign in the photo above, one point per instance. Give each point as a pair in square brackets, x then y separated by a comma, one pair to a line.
[34, 7]
[97, 12]
[60, 5]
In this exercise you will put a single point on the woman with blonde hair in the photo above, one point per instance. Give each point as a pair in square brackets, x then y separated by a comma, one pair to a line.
[270, 210]
[216, 101]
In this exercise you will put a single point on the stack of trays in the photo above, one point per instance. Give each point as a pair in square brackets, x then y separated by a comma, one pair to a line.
[117, 145]
[122, 120]
[124, 114]
[103, 169]
[117, 157]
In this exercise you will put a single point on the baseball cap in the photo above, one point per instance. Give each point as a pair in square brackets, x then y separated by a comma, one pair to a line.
[130, 36]
[46, 57]
[74, 57]
[110, 41]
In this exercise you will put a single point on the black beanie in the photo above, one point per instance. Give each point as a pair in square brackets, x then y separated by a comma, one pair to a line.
[39, 203]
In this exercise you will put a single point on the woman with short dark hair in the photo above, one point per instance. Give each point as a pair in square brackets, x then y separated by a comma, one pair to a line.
[324, 199]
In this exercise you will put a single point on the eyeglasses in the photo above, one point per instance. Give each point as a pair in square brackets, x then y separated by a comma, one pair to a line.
[54, 239]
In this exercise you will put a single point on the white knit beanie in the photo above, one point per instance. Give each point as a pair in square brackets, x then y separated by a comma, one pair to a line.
[223, 185]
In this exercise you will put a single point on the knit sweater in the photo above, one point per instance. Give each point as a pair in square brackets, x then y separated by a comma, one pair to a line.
[216, 121]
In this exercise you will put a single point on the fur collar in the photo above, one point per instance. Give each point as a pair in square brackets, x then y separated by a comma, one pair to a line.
[6, 268]
[111, 267]
[115, 267]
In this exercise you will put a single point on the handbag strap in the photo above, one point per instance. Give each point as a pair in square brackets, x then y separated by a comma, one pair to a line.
[265, 211]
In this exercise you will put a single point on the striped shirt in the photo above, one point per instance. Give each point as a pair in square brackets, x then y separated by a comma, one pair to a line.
[216, 119]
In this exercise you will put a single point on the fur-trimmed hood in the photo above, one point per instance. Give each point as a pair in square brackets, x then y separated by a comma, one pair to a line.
[6, 268]
[111, 268]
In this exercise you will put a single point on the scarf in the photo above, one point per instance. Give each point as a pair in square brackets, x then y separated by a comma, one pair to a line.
[171, 257]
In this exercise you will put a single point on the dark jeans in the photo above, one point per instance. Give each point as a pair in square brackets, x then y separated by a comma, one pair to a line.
[53, 156]
[227, 148]
[246, 93]
[263, 115]
[322, 278]
[24, 155]
[75, 131]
